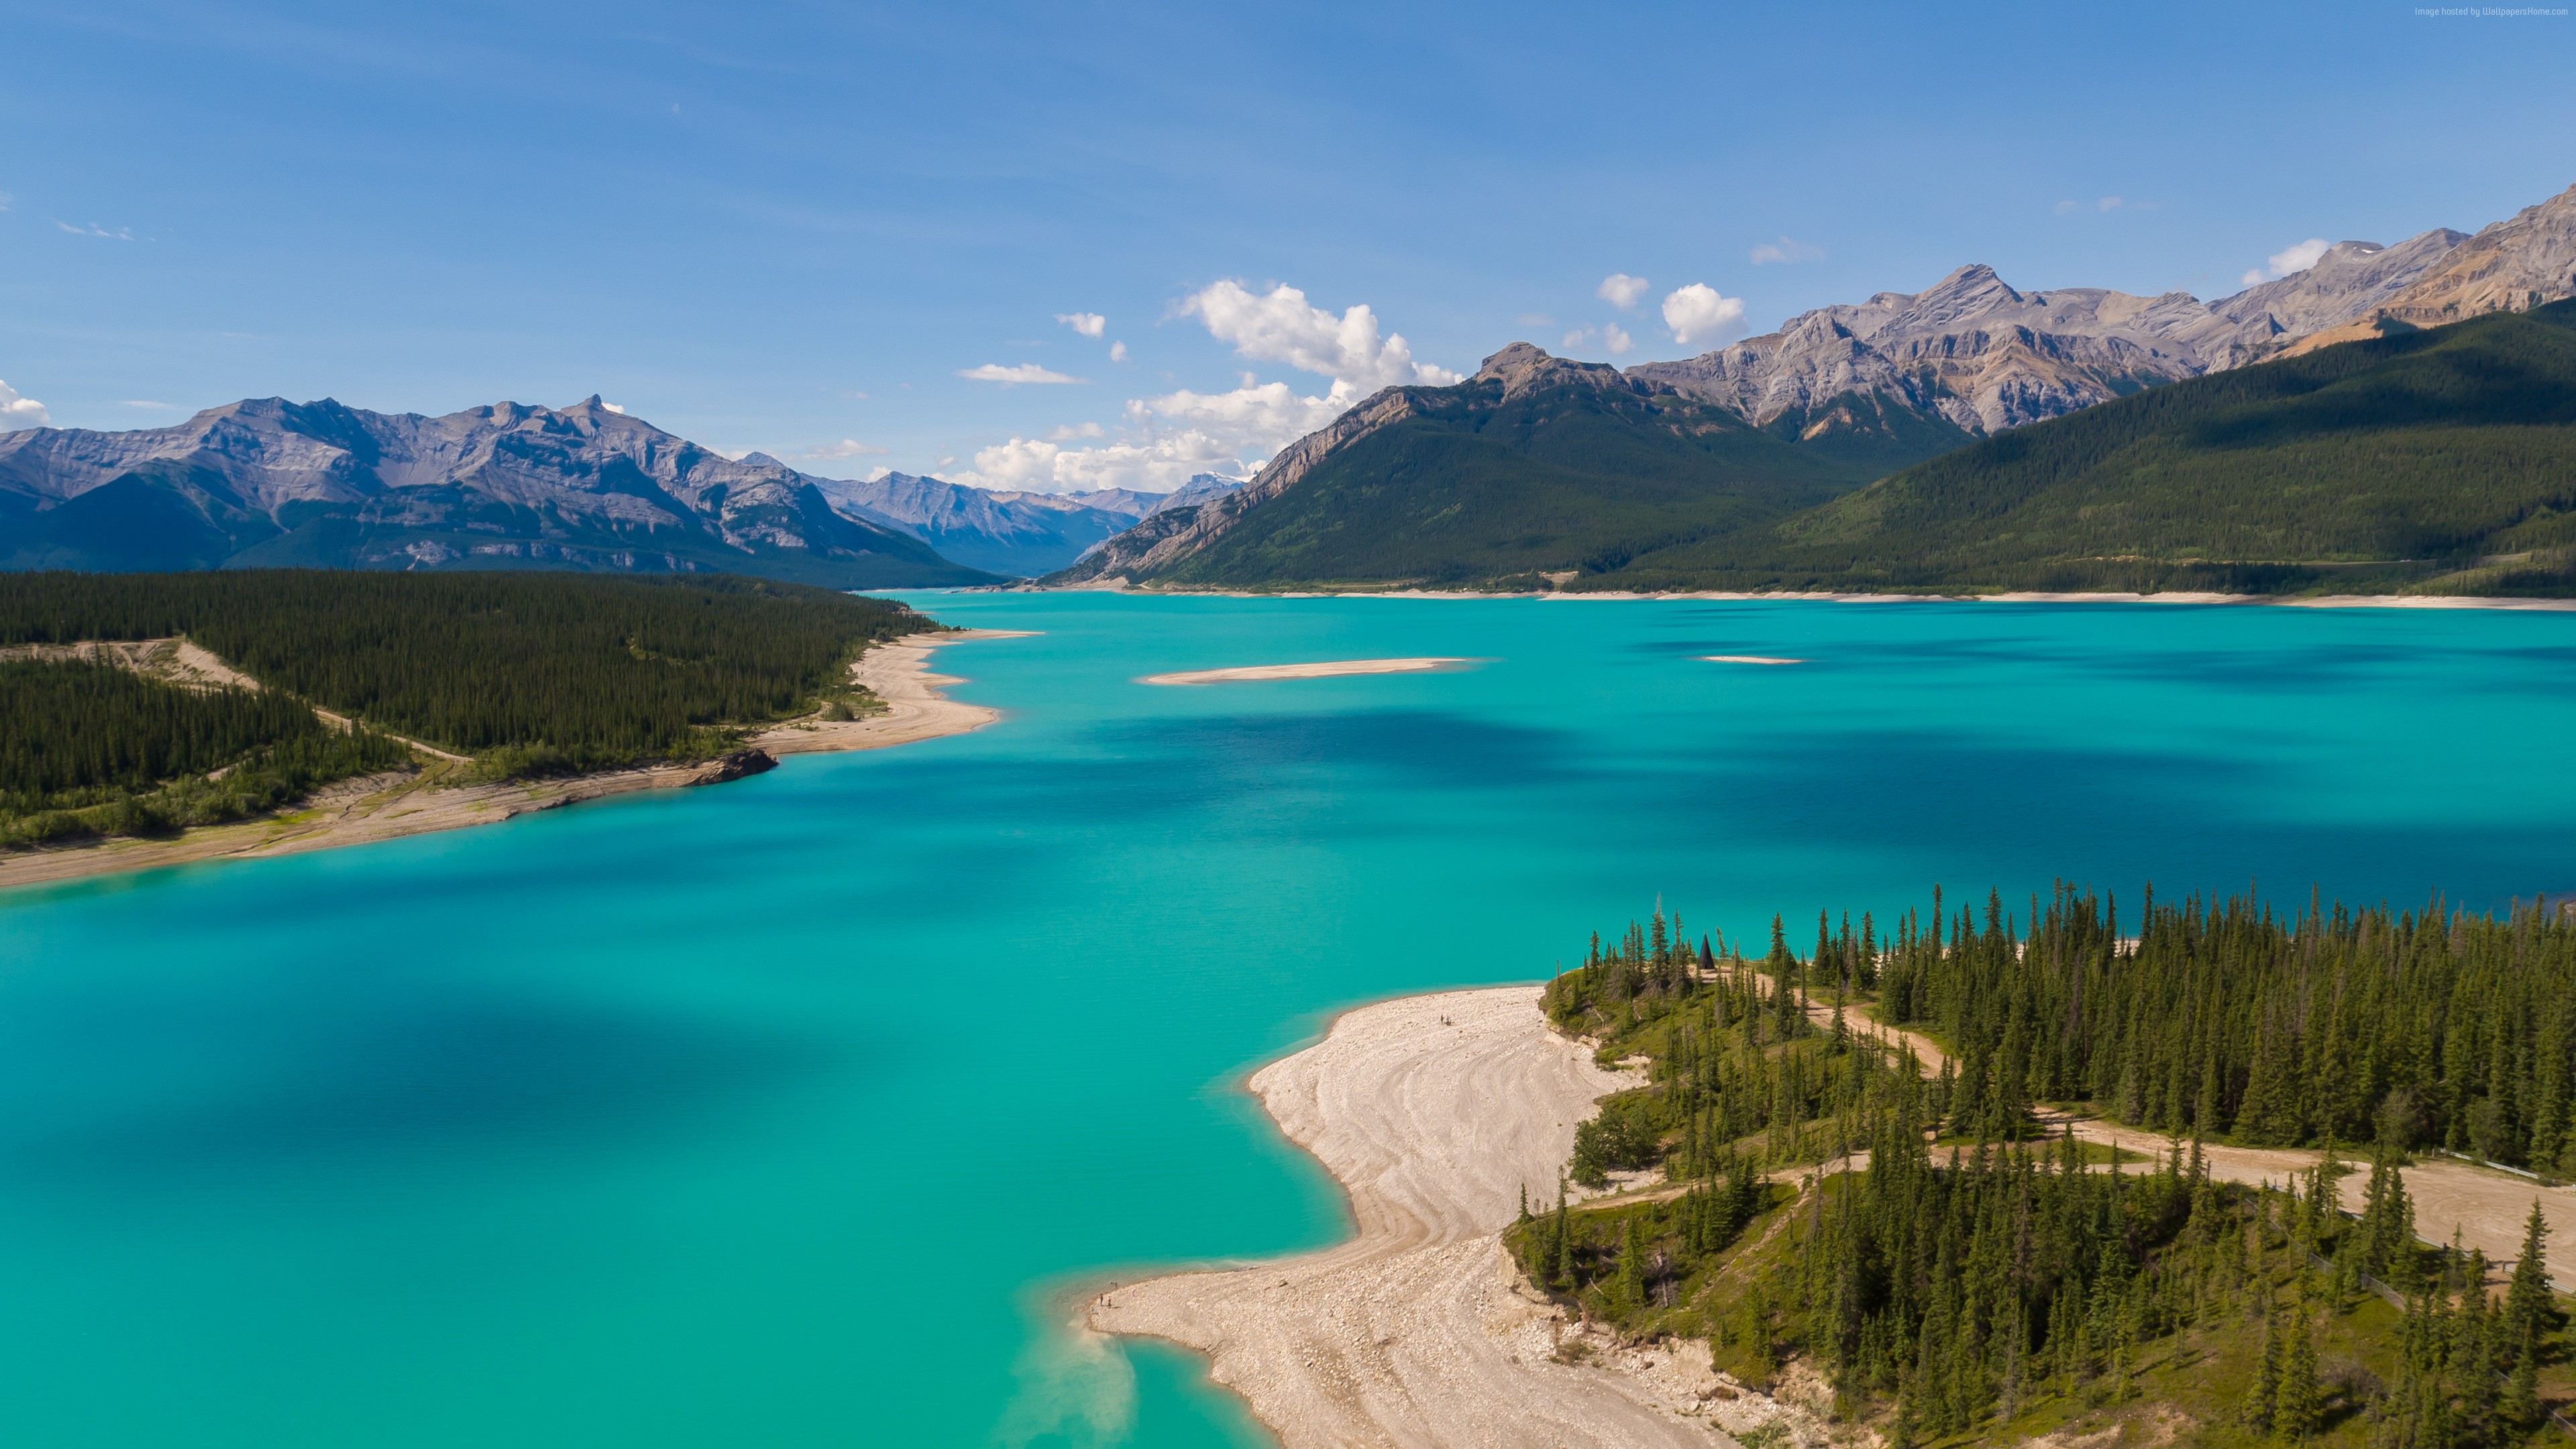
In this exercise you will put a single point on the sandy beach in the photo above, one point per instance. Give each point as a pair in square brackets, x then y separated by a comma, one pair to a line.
[1326, 669]
[390, 806]
[1434, 1112]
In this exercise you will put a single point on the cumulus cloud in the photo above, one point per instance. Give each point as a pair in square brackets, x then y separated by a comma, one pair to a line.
[831, 452]
[1281, 326]
[20, 412]
[1118, 352]
[614, 408]
[1788, 250]
[1013, 376]
[1089, 324]
[1621, 290]
[1697, 315]
[1613, 338]
[2288, 260]
[1161, 441]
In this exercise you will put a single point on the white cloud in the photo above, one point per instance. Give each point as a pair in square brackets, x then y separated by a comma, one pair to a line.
[1089, 324]
[1786, 249]
[1621, 290]
[2288, 260]
[20, 412]
[1280, 326]
[1013, 376]
[830, 452]
[1161, 441]
[5, 199]
[1533, 319]
[2108, 203]
[614, 408]
[122, 233]
[1697, 314]
[1118, 352]
[136, 402]
[1613, 338]
[1263, 417]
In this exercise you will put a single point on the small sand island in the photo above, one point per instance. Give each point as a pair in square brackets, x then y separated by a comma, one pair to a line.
[1253, 673]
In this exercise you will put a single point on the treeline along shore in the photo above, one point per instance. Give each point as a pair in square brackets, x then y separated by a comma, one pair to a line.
[1960, 1257]
[138, 706]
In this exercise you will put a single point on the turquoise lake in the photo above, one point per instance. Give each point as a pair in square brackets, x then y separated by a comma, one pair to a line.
[792, 1112]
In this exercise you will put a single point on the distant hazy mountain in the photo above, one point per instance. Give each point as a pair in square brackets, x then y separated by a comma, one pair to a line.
[1432, 483]
[271, 483]
[1201, 488]
[1021, 535]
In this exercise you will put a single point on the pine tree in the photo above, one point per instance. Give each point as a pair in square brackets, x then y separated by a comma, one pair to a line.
[2294, 1416]
[2527, 1308]
[2262, 1404]
[1632, 1268]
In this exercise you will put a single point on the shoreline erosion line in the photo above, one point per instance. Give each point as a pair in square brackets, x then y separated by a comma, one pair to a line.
[1434, 1113]
[1614, 596]
[391, 806]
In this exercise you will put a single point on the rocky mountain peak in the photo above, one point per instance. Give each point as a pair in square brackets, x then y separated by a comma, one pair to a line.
[1521, 367]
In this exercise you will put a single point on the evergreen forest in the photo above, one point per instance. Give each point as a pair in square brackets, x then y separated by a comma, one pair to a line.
[88, 748]
[1961, 1270]
[538, 670]
[528, 673]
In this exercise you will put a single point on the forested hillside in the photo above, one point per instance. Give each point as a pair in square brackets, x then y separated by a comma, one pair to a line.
[527, 672]
[89, 748]
[2435, 461]
[1534, 466]
[1987, 1286]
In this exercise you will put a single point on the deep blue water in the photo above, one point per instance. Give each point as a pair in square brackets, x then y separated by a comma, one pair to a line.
[790, 1112]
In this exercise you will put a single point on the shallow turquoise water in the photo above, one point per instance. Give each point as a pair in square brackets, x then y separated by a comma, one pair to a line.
[788, 1113]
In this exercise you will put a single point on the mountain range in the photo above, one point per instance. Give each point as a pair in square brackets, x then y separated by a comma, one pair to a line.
[1500, 478]
[1724, 465]
[1018, 535]
[267, 482]
[271, 483]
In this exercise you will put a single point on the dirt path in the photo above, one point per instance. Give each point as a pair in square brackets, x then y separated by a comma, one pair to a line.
[390, 806]
[1434, 1112]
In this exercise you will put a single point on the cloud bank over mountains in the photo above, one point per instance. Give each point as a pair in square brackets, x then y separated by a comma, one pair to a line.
[20, 412]
[1163, 441]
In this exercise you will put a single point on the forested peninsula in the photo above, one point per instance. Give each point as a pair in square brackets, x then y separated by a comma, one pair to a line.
[1884, 1164]
[138, 705]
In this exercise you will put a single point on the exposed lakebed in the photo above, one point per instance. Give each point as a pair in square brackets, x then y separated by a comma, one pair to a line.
[790, 1112]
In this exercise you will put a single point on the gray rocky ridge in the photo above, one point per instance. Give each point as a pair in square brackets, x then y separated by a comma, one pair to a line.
[1979, 355]
[269, 482]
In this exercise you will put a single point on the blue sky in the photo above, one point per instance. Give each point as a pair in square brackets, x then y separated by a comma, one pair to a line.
[807, 228]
